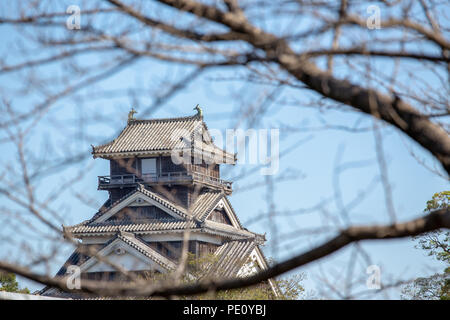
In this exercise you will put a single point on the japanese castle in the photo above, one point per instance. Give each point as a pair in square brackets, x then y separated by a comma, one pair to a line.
[153, 200]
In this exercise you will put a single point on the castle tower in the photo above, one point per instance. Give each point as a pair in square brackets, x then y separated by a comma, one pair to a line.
[164, 179]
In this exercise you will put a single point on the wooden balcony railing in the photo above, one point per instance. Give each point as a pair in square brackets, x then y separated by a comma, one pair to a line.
[163, 177]
[200, 177]
[117, 179]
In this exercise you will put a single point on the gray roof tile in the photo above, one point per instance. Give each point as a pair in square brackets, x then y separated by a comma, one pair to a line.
[132, 227]
[159, 135]
[204, 203]
[231, 256]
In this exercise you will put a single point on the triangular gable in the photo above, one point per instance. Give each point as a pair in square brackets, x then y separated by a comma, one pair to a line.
[219, 215]
[139, 214]
[142, 197]
[224, 204]
[207, 202]
[79, 256]
[129, 253]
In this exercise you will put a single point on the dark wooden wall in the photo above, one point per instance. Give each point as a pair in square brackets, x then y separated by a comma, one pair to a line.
[205, 248]
[163, 164]
[140, 213]
[124, 166]
[183, 193]
[167, 165]
[169, 249]
[117, 193]
[173, 249]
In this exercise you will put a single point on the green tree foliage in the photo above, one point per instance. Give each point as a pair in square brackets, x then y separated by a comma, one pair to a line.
[436, 287]
[437, 245]
[288, 288]
[9, 283]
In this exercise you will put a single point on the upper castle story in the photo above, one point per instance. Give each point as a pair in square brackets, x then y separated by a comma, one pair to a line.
[169, 152]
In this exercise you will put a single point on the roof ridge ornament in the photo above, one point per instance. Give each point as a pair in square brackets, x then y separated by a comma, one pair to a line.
[131, 115]
[199, 111]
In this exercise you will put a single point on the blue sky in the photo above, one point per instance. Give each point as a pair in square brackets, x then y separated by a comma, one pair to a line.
[314, 160]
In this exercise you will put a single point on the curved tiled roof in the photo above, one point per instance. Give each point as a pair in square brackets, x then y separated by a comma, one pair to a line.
[132, 227]
[150, 135]
[208, 227]
[140, 188]
[160, 136]
[223, 228]
[204, 203]
[231, 256]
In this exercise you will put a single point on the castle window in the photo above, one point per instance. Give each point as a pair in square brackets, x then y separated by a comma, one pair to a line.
[148, 166]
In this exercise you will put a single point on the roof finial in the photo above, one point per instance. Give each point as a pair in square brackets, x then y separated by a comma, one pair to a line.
[199, 111]
[131, 114]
